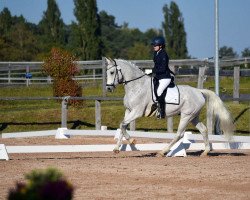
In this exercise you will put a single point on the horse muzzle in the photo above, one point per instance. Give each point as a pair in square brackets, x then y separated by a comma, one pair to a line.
[110, 88]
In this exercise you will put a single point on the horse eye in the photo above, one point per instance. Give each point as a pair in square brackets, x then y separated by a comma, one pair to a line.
[111, 73]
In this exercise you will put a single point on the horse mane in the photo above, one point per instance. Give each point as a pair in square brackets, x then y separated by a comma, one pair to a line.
[134, 66]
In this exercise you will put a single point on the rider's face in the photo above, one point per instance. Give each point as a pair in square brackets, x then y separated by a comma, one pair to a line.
[157, 48]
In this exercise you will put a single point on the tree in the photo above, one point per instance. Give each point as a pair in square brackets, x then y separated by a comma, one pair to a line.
[61, 66]
[5, 21]
[17, 39]
[174, 29]
[52, 27]
[23, 41]
[86, 33]
[227, 52]
[246, 52]
[110, 31]
[139, 51]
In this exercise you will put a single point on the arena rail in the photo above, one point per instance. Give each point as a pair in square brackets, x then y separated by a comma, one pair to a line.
[17, 71]
[187, 143]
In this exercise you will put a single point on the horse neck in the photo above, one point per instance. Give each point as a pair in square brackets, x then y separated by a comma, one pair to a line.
[134, 86]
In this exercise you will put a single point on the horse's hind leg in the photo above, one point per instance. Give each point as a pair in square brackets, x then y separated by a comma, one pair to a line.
[203, 130]
[185, 119]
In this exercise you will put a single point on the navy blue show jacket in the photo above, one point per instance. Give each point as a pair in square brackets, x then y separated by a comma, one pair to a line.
[161, 68]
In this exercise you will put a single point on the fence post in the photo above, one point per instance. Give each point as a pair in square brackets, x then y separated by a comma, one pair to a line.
[201, 77]
[94, 76]
[104, 77]
[27, 78]
[9, 74]
[64, 111]
[49, 79]
[236, 93]
[245, 64]
[97, 114]
[170, 124]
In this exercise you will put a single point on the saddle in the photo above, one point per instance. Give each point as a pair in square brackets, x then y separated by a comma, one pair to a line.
[171, 93]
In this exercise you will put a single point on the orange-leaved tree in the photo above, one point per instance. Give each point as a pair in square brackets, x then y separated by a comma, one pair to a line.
[61, 66]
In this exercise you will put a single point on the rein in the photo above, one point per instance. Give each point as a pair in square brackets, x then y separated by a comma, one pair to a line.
[126, 82]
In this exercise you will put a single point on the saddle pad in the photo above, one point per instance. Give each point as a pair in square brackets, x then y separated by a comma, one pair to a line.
[172, 96]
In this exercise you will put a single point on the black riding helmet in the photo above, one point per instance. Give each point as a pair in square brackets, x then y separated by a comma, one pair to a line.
[158, 41]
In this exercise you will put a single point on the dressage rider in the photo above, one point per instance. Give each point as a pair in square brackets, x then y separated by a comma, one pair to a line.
[161, 73]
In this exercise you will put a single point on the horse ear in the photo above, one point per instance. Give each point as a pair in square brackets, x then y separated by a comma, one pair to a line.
[108, 60]
[114, 62]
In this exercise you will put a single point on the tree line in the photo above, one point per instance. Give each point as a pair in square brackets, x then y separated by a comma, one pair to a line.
[91, 36]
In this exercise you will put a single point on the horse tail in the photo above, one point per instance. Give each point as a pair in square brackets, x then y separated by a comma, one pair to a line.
[217, 108]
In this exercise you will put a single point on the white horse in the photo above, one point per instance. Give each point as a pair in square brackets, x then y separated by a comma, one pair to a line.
[138, 102]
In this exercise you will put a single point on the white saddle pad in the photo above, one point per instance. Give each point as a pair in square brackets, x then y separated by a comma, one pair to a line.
[172, 96]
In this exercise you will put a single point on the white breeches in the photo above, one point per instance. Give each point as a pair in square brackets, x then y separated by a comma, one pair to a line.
[163, 84]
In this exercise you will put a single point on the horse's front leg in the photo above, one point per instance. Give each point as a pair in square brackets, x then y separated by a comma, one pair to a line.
[129, 117]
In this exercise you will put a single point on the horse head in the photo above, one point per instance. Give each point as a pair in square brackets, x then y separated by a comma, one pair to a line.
[114, 75]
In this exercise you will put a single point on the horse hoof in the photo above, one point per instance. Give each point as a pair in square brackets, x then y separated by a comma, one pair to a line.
[205, 153]
[160, 154]
[116, 151]
[132, 141]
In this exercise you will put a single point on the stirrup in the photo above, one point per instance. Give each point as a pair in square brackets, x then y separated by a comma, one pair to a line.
[159, 113]
[160, 116]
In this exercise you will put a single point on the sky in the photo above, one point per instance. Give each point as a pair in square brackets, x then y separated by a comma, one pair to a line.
[199, 20]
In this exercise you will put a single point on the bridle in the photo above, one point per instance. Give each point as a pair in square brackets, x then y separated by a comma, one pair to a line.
[121, 81]
[116, 74]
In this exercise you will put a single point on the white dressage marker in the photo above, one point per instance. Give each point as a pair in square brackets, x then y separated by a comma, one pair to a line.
[3, 153]
[61, 133]
[179, 148]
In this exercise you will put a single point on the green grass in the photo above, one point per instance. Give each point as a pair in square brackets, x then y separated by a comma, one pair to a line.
[17, 116]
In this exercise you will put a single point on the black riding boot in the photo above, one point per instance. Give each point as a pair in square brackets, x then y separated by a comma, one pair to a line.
[161, 107]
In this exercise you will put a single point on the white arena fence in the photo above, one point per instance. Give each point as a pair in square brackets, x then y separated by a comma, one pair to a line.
[27, 73]
[187, 143]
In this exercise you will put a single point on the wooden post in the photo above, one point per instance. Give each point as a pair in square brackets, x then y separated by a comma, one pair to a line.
[170, 124]
[201, 77]
[9, 74]
[132, 125]
[104, 77]
[64, 112]
[236, 93]
[27, 79]
[97, 115]
[172, 68]
[49, 79]
[94, 76]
